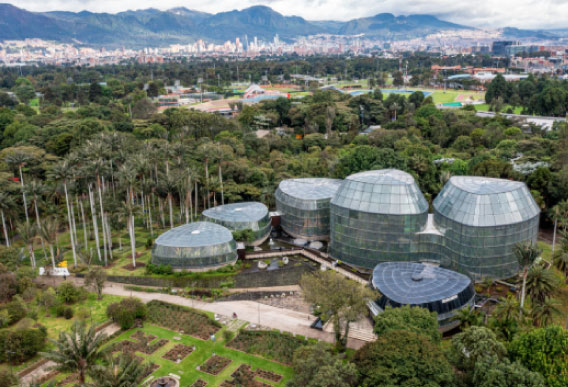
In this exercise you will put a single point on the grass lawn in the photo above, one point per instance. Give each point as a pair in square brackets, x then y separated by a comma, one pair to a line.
[485, 108]
[186, 369]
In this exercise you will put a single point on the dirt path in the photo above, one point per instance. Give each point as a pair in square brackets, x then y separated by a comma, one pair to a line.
[48, 367]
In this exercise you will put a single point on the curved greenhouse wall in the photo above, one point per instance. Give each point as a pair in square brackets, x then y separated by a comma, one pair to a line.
[304, 206]
[481, 220]
[199, 245]
[253, 216]
[375, 217]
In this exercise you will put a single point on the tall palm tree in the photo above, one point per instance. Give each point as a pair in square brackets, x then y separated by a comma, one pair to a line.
[19, 159]
[560, 256]
[6, 204]
[543, 313]
[527, 254]
[36, 189]
[507, 309]
[48, 233]
[28, 233]
[64, 173]
[77, 351]
[541, 284]
[122, 371]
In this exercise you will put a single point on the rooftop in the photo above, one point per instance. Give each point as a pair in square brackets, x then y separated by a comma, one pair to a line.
[197, 234]
[238, 212]
[416, 283]
[385, 191]
[310, 188]
[485, 202]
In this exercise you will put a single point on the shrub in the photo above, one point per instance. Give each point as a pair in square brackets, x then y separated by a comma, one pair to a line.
[17, 346]
[68, 313]
[126, 312]
[8, 378]
[70, 294]
[159, 269]
[4, 318]
[16, 311]
[149, 243]
[60, 310]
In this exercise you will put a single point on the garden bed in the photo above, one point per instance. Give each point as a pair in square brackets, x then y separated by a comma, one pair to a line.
[215, 364]
[179, 352]
[245, 376]
[271, 345]
[142, 344]
[152, 367]
[130, 267]
[199, 383]
[182, 319]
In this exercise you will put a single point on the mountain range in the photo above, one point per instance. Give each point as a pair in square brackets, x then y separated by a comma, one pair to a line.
[152, 27]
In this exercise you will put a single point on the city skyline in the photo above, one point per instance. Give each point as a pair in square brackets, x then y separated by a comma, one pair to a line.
[507, 13]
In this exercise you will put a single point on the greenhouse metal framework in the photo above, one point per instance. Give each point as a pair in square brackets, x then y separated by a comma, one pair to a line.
[196, 245]
[253, 216]
[304, 206]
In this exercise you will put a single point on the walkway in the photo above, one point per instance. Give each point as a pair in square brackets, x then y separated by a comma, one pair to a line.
[253, 312]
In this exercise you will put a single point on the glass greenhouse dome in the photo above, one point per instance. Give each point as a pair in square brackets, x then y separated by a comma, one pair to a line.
[304, 206]
[242, 216]
[481, 219]
[375, 217]
[434, 288]
[198, 245]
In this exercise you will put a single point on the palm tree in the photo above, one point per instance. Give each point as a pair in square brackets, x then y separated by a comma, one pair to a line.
[527, 254]
[560, 257]
[28, 232]
[121, 371]
[507, 309]
[48, 233]
[541, 284]
[19, 159]
[543, 313]
[6, 204]
[63, 172]
[36, 190]
[77, 351]
[467, 317]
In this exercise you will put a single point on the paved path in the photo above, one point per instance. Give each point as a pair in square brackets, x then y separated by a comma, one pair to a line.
[48, 367]
[253, 312]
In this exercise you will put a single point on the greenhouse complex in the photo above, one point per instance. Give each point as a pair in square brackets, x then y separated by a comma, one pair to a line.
[382, 216]
[304, 206]
[195, 246]
[434, 288]
[242, 216]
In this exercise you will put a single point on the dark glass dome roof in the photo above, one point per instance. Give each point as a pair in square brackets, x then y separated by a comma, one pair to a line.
[409, 283]
[385, 191]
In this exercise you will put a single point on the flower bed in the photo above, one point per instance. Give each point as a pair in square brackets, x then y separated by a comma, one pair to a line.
[179, 352]
[142, 344]
[268, 344]
[199, 383]
[268, 375]
[179, 318]
[244, 376]
[215, 364]
[152, 367]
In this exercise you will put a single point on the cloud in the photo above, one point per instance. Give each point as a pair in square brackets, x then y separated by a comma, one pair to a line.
[481, 13]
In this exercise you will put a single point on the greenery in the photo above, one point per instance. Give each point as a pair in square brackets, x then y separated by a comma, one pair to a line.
[340, 300]
[402, 358]
[96, 278]
[126, 312]
[19, 345]
[269, 344]
[316, 365]
[413, 319]
[77, 351]
[545, 351]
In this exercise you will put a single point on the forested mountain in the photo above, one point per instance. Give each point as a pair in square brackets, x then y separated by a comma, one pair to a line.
[152, 27]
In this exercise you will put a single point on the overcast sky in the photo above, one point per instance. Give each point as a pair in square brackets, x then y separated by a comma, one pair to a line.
[479, 13]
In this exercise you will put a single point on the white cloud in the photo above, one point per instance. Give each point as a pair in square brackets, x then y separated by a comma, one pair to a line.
[481, 13]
